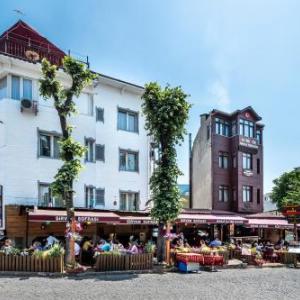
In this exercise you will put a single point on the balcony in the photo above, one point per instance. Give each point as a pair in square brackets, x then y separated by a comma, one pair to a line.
[29, 50]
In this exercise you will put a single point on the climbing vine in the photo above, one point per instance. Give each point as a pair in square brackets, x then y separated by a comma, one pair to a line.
[166, 111]
[71, 151]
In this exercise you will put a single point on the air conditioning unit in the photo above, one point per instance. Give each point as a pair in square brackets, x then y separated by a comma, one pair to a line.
[29, 105]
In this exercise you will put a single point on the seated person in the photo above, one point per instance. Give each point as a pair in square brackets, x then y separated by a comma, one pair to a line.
[103, 246]
[51, 240]
[7, 247]
[133, 247]
[215, 243]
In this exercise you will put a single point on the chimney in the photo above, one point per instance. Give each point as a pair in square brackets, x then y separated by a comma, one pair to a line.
[203, 118]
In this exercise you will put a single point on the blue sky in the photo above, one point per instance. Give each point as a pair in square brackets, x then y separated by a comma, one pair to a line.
[225, 54]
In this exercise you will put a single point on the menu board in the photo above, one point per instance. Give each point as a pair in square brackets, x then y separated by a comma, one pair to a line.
[1, 207]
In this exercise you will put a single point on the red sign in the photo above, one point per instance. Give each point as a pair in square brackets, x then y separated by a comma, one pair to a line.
[290, 211]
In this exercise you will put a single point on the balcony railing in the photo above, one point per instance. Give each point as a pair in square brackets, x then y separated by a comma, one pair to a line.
[28, 50]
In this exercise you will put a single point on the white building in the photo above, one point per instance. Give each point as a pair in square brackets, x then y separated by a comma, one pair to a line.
[109, 122]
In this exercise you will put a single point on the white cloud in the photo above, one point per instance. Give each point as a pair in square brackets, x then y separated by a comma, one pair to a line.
[220, 95]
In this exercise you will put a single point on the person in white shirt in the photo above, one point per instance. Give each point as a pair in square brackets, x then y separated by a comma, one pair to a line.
[51, 240]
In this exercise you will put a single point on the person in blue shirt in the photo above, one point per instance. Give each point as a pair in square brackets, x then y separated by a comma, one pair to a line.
[215, 243]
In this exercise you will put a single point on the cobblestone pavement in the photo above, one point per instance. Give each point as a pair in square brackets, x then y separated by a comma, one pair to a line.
[281, 283]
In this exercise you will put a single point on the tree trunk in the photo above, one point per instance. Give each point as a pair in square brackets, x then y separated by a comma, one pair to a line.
[70, 243]
[161, 244]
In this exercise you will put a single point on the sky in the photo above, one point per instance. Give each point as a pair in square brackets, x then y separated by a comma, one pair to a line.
[225, 55]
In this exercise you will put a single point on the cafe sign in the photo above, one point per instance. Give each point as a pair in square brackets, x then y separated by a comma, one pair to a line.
[292, 212]
[248, 142]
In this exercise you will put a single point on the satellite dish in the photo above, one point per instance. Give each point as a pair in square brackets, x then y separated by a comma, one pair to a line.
[32, 55]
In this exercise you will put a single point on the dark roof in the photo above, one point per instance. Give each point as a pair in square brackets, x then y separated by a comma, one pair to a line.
[236, 112]
[22, 31]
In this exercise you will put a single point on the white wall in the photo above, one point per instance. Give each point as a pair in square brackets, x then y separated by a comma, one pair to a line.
[20, 167]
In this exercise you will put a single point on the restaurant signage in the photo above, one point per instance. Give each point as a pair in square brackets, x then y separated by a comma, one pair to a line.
[248, 142]
[292, 212]
[140, 221]
[211, 221]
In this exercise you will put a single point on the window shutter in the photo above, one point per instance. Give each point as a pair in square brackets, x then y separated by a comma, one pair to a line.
[100, 152]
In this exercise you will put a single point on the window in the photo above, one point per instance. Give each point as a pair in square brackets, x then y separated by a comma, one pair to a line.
[129, 201]
[99, 114]
[223, 160]
[89, 154]
[233, 128]
[234, 160]
[3, 87]
[27, 89]
[247, 193]
[246, 128]
[100, 152]
[89, 196]
[223, 193]
[90, 105]
[258, 166]
[207, 132]
[234, 194]
[15, 87]
[258, 196]
[222, 127]
[94, 196]
[46, 199]
[128, 161]
[259, 136]
[100, 197]
[16, 84]
[247, 161]
[128, 120]
[48, 145]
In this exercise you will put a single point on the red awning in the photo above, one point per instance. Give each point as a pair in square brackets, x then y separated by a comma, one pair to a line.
[44, 215]
[211, 219]
[269, 223]
[137, 220]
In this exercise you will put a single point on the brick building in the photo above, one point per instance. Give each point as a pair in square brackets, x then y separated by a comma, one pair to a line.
[227, 162]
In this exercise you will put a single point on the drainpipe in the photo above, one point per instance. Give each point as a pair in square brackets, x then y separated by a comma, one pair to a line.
[190, 172]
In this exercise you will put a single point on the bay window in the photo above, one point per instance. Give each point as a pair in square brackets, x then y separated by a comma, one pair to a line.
[222, 127]
[246, 128]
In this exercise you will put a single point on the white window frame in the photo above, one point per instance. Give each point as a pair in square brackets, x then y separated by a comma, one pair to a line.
[21, 90]
[128, 151]
[128, 112]
[52, 143]
[127, 206]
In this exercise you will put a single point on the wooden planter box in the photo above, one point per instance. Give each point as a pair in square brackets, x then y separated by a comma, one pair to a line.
[31, 264]
[112, 262]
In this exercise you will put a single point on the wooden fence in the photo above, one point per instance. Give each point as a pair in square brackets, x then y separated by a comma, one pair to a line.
[31, 264]
[112, 262]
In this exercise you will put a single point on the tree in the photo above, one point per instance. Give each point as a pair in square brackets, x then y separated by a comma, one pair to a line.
[71, 151]
[166, 111]
[286, 190]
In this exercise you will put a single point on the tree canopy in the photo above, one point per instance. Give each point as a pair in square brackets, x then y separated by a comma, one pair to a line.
[166, 111]
[286, 190]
